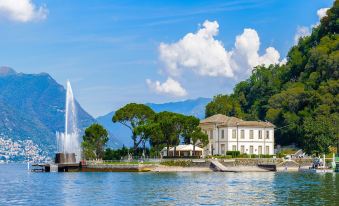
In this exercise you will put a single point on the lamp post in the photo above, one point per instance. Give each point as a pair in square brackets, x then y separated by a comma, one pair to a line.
[237, 137]
[264, 136]
[218, 138]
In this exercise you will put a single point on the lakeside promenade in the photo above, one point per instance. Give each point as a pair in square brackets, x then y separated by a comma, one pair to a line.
[199, 165]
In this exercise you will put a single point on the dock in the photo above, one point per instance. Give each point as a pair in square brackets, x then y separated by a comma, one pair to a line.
[38, 168]
[62, 167]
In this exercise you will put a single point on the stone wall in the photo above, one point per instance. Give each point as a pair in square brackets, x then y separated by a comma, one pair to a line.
[256, 161]
[116, 167]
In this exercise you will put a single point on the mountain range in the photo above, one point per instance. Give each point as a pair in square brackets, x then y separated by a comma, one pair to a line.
[32, 107]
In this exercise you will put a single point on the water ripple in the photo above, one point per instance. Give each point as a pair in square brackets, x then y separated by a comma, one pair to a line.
[19, 187]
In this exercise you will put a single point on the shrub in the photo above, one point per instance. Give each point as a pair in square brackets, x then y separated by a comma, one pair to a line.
[244, 155]
[118, 154]
[289, 151]
[180, 163]
[228, 156]
[254, 156]
[220, 156]
[233, 153]
[266, 156]
[181, 157]
[280, 155]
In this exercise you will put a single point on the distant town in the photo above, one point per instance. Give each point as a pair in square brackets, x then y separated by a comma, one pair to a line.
[20, 151]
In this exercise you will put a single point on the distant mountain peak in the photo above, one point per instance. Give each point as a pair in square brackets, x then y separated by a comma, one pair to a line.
[4, 71]
[182, 101]
[32, 107]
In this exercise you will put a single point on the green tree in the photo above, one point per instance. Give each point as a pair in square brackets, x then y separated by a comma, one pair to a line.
[198, 137]
[321, 132]
[290, 95]
[170, 126]
[117, 154]
[224, 104]
[133, 116]
[94, 141]
[190, 124]
[148, 132]
[156, 138]
[192, 134]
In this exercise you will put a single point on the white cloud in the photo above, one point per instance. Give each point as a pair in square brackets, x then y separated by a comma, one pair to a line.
[22, 10]
[206, 56]
[322, 12]
[199, 52]
[283, 61]
[170, 86]
[245, 56]
[302, 31]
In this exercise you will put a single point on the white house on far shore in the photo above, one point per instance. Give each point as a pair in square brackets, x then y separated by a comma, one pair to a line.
[234, 134]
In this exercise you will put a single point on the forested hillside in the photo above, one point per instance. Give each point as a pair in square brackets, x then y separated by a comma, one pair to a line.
[32, 106]
[300, 97]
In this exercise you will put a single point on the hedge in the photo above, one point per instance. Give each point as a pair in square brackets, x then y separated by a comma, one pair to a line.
[233, 153]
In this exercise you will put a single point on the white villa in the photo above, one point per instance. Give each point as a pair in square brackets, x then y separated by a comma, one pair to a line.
[234, 134]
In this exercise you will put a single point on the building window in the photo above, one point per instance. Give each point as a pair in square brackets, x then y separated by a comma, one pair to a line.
[259, 134]
[251, 134]
[260, 150]
[222, 134]
[267, 134]
[234, 148]
[267, 149]
[242, 149]
[234, 134]
[251, 149]
[222, 148]
[211, 134]
[242, 134]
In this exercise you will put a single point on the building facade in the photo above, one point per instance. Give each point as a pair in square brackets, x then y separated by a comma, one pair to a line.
[234, 134]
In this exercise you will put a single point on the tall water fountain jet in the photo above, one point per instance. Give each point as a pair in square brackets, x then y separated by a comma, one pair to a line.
[68, 143]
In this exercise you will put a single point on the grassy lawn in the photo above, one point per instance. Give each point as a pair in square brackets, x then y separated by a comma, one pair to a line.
[289, 151]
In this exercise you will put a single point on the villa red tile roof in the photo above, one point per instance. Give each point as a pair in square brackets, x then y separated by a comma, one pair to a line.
[223, 120]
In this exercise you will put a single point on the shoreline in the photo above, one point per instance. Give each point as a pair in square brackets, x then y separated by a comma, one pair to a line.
[203, 166]
[164, 168]
[229, 169]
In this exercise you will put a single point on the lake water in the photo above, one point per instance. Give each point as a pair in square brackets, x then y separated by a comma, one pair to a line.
[19, 187]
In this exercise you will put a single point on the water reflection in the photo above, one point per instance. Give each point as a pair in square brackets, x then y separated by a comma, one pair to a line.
[18, 187]
[307, 189]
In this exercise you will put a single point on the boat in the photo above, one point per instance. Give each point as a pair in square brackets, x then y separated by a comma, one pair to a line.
[318, 166]
[317, 170]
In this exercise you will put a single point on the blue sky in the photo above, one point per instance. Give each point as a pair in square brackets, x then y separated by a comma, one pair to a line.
[110, 50]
